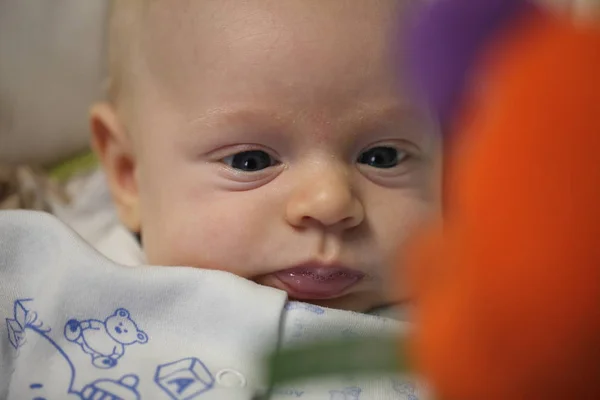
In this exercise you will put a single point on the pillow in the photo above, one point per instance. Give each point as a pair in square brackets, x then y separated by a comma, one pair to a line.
[51, 70]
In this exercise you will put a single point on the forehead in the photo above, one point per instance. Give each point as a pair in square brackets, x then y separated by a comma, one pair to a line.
[233, 47]
[223, 22]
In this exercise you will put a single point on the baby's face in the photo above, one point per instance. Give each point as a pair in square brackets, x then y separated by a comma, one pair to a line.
[272, 139]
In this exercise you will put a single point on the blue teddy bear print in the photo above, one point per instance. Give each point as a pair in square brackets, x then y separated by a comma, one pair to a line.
[24, 324]
[105, 340]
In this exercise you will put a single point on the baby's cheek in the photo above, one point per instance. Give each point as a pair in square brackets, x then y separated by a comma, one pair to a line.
[208, 238]
[395, 227]
[397, 221]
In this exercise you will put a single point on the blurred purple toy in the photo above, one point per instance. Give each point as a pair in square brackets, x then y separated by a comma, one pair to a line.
[443, 42]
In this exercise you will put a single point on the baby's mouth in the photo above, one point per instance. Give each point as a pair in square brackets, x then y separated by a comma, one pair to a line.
[311, 282]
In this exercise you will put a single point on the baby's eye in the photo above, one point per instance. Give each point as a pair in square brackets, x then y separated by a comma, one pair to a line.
[382, 157]
[250, 161]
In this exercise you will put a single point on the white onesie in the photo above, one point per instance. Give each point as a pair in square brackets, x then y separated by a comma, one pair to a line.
[74, 325]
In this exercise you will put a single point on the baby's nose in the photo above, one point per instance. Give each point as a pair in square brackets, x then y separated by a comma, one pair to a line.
[327, 200]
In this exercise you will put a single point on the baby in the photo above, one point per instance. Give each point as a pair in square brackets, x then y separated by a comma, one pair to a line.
[270, 139]
[271, 144]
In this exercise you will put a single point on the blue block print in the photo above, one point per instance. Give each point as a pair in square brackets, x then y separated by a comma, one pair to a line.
[350, 393]
[105, 341]
[25, 323]
[184, 379]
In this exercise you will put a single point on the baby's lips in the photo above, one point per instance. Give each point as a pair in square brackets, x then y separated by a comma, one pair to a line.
[318, 282]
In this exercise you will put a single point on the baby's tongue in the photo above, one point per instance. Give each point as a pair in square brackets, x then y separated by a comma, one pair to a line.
[318, 283]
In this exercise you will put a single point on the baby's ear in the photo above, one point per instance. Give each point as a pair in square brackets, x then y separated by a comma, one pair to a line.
[113, 146]
[142, 337]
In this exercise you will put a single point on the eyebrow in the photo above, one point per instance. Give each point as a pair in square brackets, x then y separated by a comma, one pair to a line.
[404, 119]
[412, 122]
[237, 115]
[235, 123]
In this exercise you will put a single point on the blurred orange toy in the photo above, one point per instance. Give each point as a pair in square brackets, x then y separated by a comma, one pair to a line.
[508, 289]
